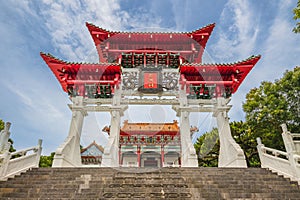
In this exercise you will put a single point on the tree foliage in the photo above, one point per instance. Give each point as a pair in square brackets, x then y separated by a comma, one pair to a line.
[46, 161]
[207, 148]
[266, 108]
[243, 136]
[1, 124]
[272, 104]
[297, 17]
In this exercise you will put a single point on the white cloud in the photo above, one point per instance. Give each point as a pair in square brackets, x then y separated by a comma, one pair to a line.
[23, 8]
[282, 48]
[280, 52]
[180, 10]
[65, 22]
[40, 105]
[36, 114]
[237, 32]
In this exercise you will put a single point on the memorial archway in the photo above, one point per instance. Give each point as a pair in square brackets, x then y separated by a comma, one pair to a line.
[159, 65]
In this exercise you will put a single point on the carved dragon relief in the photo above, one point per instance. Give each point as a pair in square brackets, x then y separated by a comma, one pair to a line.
[131, 80]
[170, 80]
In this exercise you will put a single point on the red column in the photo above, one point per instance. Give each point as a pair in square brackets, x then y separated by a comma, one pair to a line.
[139, 156]
[218, 91]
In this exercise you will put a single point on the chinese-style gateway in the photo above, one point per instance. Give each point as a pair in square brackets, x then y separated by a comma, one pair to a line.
[149, 68]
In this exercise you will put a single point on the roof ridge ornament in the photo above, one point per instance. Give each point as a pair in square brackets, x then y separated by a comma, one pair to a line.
[209, 26]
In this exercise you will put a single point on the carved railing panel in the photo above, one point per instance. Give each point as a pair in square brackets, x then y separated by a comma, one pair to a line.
[27, 158]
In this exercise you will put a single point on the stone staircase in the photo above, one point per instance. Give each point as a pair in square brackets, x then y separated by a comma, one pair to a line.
[149, 183]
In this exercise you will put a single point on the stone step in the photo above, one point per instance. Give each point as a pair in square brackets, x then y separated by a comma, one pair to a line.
[152, 183]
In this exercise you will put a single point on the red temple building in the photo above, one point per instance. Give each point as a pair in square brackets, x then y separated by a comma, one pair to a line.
[92, 154]
[134, 65]
[150, 144]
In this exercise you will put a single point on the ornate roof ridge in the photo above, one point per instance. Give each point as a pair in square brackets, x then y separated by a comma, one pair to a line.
[175, 122]
[150, 123]
[149, 32]
[212, 25]
[90, 145]
[47, 56]
[251, 58]
[59, 61]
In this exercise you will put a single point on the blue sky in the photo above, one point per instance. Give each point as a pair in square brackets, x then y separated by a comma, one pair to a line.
[32, 99]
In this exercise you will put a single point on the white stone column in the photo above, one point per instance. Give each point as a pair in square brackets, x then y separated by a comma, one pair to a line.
[231, 154]
[288, 140]
[188, 152]
[111, 151]
[68, 154]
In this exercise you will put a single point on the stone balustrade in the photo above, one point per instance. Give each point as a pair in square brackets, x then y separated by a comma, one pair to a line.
[14, 163]
[284, 163]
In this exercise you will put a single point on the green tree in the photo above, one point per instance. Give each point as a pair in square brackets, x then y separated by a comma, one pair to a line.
[207, 148]
[46, 161]
[272, 104]
[266, 108]
[11, 148]
[296, 17]
[243, 136]
[1, 124]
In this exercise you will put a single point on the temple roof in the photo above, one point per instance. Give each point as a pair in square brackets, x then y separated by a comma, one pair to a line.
[145, 128]
[229, 75]
[202, 30]
[111, 43]
[175, 50]
[68, 73]
[92, 150]
[252, 60]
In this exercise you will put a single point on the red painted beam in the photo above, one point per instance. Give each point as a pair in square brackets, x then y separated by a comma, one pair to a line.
[147, 51]
[210, 82]
[71, 82]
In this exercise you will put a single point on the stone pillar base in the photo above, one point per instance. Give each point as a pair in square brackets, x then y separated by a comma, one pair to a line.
[191, 161]
[108, 161]
[62, 161]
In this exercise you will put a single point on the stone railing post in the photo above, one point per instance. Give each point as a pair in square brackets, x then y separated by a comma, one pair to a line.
[4, 161]
[260, 152]
[38, 152]
[287, 139]
[290, 149]
[4, 136]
